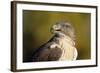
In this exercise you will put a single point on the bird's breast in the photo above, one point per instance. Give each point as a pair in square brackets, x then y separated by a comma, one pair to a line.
[67, 50]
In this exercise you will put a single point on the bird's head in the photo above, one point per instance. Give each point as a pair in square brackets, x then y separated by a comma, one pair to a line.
[63, 28]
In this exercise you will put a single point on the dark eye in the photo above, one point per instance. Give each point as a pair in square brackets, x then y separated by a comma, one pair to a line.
[66, 26]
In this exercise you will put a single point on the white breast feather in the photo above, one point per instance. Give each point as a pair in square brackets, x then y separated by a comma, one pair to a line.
[69, 51]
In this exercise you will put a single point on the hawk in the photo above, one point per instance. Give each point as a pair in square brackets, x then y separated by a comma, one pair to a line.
[61, 47]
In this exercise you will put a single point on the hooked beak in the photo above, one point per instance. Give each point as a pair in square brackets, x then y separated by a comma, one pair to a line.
[56, 27]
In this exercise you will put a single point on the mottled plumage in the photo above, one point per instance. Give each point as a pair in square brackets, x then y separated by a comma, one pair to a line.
[60, 47]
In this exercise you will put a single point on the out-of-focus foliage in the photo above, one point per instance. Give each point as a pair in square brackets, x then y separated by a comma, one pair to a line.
[36, 30]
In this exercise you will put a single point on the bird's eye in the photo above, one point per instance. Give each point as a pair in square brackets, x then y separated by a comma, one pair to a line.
[65, 25]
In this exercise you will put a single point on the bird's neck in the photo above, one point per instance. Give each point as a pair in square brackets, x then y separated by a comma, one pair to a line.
[66, 38]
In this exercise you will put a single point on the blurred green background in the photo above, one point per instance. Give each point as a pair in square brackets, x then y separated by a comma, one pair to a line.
[36, 31]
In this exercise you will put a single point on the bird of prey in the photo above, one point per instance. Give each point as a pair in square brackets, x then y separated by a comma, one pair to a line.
[61, 47]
